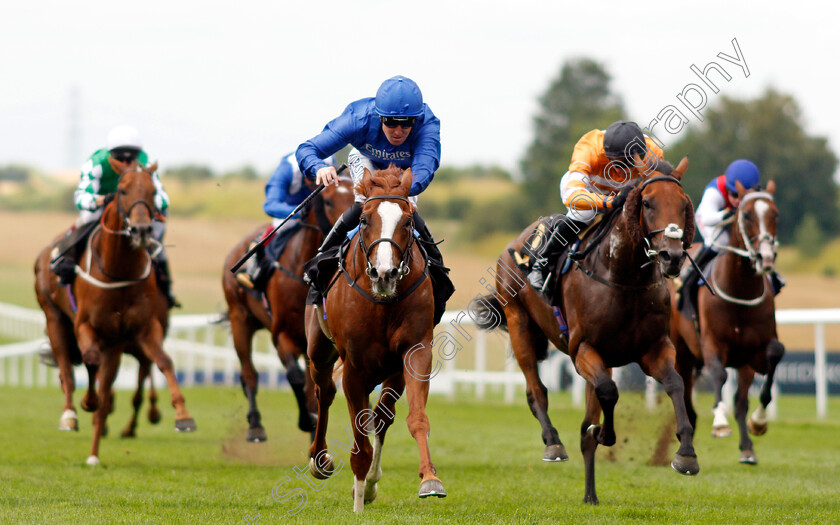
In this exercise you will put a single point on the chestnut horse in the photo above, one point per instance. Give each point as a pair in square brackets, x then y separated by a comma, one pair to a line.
[285, 293]
[617, 309]
[738, 324]
[380, 314]
[113, 306]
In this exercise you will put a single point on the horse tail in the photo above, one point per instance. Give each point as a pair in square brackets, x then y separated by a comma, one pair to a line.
[488, 313]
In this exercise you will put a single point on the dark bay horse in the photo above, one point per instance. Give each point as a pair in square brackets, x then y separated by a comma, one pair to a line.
[113, 306]
[738, 324]
[380, 315]
[617, 309]
[286, 296]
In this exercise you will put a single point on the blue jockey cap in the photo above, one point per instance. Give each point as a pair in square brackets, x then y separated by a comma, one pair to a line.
[399, 96]
[744, 172]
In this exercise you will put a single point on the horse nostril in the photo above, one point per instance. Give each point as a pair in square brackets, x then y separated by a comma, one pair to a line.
[392, 274]
[665, 256]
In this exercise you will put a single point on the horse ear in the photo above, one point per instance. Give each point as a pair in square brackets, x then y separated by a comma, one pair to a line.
[152, 167]
[771, 187]
[366, 183]
[740, 189]
[406, 180]
[679, 171]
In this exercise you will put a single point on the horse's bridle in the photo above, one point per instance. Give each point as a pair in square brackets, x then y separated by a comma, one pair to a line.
[124, 215]
[748, 251]
[671, 231]
[405, 254]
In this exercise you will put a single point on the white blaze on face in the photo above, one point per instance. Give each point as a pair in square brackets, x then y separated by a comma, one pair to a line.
[390, 213]
[765, 249]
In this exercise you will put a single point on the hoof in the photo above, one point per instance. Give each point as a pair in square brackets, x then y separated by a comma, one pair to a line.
[322, 473]
[69, 421]
[756, 429]
[256, 435]
[307, 423]
[748, 458]
[154, 416]
[128, 433]
[90, 404]
[92, 461]
[591, 499]
[721, 432]
[432, 487]
[555, 453]
[687, 465]
[185, 425]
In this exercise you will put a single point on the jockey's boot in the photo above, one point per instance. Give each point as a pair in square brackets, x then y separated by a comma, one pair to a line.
[442, 287]
[563, 232]
[348, 220]
[65, 254]
[257, 271]
[164, 281]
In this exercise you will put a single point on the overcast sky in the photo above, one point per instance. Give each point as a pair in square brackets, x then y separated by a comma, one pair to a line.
[226, 85]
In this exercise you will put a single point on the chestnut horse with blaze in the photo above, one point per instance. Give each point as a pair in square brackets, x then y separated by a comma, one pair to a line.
[617, 310]
[738, 323]
[113, 306]
[285, 294]
[380, 315]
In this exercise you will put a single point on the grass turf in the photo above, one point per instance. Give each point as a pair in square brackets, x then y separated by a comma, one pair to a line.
[487, 454]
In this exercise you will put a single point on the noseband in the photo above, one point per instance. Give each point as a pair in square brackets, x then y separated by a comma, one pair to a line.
[124, 214]
[748, 251]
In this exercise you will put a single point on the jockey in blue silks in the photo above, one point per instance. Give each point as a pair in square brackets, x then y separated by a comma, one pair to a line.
[285, 189]
[395, 127]
[717, 206]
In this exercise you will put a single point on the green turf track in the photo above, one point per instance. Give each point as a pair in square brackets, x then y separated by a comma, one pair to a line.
[487, 454]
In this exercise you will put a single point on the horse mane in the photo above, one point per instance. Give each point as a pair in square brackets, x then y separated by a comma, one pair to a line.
[382, 182]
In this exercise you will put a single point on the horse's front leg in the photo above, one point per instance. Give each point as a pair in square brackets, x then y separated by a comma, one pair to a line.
[417, 368]
[91, 356]
[590, 366]
[107, 374]
[356, 392]
[383, 417]
[322, 357]
[243, 330]
[137, 400]
[151, 341]
[742, 405]
[766, 364]
[659, 364]
[62, 339]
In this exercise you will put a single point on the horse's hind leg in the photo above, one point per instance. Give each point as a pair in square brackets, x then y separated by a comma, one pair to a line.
[288, 350]
[108, 371]
[742, 404]
[60, 334]
[243, 333]
[527, 340]
[137, 399]
[757, 423]
[151, 343]
[417, 370]
[659, 364]
[588, 443]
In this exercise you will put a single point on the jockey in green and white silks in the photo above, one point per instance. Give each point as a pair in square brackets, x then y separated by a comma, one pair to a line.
[99, 177]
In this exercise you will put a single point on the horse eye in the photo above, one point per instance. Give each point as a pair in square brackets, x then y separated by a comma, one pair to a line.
[123, 192]
[646, 203]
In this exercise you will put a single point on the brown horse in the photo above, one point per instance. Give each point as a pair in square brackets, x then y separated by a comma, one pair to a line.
[738, 324]
[617, 309]
[380, 315]
[113, 306]
[285, 293]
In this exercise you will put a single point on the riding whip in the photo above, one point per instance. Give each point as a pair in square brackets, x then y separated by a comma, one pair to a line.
[299, 207]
